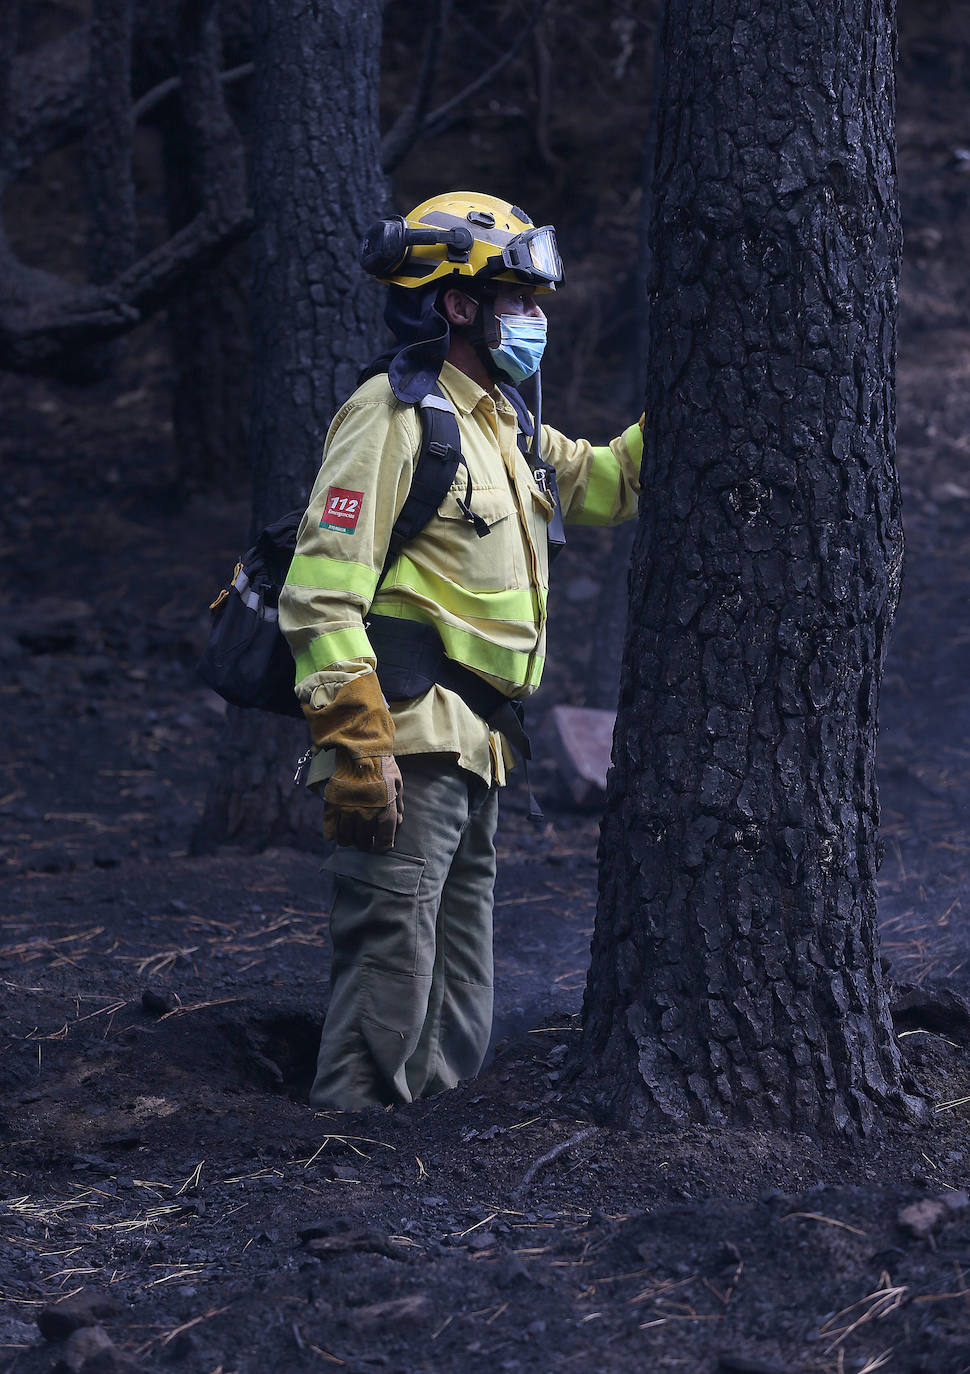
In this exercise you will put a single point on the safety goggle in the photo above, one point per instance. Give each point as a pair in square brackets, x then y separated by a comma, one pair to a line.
[536, 253]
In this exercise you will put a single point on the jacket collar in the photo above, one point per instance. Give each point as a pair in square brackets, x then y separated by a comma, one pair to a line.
[466, 394]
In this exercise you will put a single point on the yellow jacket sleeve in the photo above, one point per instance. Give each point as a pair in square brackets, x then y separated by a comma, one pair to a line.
[597, 486]
[365, 476]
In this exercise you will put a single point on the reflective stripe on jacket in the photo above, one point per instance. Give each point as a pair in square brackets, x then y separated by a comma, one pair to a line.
[486, 596]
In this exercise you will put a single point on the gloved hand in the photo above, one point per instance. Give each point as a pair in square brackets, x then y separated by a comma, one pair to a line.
[363, 801]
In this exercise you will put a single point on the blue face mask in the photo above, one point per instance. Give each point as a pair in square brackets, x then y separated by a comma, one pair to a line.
[522, 340]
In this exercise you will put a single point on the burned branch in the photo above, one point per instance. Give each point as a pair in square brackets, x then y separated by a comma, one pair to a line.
[108, 175]
[43, 330]
[157, 96]
[396, 144]
[406, 129]
[48, 326]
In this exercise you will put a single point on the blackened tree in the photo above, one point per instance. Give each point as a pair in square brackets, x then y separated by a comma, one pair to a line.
[208, 318]
[735, 973]
[316, 185]
[83, 86]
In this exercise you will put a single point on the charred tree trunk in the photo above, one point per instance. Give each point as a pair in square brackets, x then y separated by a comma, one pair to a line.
[109, 182]
[208, 319]
[317, 183]
[48, 325]
[208, 325]
[608, 633]
[9, 35]
[735, 974]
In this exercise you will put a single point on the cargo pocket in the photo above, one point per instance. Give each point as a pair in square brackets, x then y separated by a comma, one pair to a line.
[374, 919]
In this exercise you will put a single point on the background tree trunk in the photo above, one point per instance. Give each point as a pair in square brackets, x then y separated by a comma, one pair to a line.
[208, 319]
[735, 975]
[608, 632]
[9, 34]
[49, 325]
[317, 184]
[208, 323]
[109, 182]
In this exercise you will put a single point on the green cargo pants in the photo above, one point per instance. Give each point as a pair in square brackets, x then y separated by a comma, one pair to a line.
[411, 980]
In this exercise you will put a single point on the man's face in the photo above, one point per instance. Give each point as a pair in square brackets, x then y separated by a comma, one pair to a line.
[514, 298]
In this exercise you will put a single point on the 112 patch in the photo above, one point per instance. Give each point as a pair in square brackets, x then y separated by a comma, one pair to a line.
[342, 510]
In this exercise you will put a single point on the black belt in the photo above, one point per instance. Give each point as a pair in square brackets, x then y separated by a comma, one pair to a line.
[411, 660]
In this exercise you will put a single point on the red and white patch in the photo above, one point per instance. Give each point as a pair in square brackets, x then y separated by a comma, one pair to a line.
[342, 509]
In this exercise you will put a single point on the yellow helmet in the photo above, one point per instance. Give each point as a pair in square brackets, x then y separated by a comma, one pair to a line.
[466, 235]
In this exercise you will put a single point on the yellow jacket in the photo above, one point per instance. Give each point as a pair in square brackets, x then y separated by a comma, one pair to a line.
[486, 597]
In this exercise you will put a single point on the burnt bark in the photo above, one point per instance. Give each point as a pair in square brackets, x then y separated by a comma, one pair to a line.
[49, 326]
[50, 84]
[109, 183]
[49, 97]
[317, 184]
[9, 33]
[735, 973]
[208, 319]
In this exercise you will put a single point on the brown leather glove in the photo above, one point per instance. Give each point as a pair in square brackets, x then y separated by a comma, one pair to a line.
[363, 801]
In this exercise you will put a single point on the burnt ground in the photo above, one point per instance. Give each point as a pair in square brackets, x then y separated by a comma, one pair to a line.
[160, 1012]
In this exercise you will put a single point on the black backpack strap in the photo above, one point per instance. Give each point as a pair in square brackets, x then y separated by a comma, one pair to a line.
[441, 436]
[439, 459]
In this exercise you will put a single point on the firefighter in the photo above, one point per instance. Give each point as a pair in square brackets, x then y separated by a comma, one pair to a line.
[412, 793]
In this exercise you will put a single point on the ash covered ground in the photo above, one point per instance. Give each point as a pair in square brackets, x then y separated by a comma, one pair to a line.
[169, 1201]
[161, 1012]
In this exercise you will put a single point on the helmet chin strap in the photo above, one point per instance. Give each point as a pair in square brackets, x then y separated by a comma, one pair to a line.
[487, 320]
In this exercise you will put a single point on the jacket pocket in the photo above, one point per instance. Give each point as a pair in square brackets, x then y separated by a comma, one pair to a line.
[491, 503]
[492, 562]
